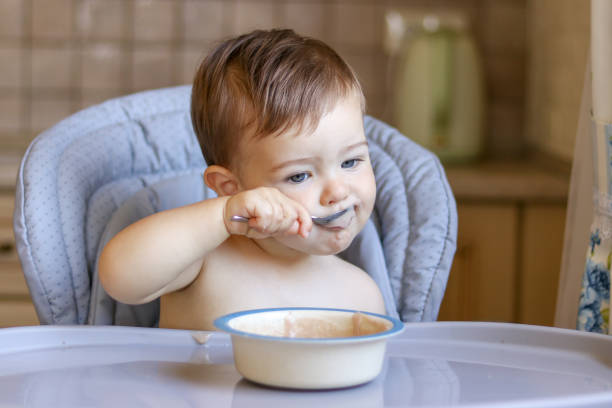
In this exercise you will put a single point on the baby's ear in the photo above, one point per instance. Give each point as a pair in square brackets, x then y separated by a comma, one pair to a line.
[222, 180]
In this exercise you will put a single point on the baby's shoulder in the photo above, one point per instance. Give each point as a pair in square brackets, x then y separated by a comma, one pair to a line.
[346, 271]
[359, 284]
[343, 265]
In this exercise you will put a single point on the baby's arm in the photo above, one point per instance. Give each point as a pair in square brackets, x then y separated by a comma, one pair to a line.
[164, 252]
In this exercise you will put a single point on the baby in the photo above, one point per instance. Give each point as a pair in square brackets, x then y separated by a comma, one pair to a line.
[279, 118]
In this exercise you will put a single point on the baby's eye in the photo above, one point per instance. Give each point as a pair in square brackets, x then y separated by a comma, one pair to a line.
[349, 164]
[298, 178]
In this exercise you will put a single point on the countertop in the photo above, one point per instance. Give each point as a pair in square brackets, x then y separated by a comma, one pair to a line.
[525, 180]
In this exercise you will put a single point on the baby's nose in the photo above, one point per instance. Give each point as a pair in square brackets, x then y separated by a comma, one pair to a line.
[334, 191]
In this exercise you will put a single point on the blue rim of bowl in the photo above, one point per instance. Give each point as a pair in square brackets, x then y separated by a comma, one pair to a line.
[222, 323]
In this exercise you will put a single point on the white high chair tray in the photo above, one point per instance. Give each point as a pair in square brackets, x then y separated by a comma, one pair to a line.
[429, 364]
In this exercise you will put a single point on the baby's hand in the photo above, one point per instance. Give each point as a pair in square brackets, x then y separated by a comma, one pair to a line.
[270, 213]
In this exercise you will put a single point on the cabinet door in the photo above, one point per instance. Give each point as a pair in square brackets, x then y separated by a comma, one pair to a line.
[16, 309]
[481, 285]
[542, 248]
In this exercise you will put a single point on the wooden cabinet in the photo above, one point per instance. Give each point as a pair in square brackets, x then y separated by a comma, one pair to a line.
[482, 281]
[16, 308]
[538, 274]
[509, 245]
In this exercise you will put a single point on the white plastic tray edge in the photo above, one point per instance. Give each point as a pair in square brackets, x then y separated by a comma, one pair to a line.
[32, 338]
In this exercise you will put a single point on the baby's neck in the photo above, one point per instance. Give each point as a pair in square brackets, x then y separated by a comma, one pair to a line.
[274, 249]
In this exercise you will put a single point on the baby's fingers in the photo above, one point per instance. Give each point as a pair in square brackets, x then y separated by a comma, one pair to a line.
[294, 229]
[304, 221]
[255, 230]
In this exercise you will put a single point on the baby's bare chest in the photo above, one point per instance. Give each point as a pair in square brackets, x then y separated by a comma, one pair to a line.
[227, 284]
[252, 278]
[256, 281]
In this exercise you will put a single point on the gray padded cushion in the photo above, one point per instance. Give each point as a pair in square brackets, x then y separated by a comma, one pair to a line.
[88, 165]
[147, 136]
[418, 220]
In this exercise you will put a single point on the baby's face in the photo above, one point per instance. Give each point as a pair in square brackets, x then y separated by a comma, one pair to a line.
[327, 171]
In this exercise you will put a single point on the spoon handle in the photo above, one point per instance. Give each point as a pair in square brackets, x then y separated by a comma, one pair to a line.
[316, 220]
[239, 218]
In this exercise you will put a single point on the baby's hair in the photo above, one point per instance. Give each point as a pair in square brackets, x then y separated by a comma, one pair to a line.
[265, 83]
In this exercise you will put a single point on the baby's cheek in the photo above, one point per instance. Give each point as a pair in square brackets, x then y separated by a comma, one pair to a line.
[372, 193]
[367, 193]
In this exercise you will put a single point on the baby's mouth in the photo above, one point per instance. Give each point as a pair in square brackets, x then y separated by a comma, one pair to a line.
[328, 219]
[340, 222]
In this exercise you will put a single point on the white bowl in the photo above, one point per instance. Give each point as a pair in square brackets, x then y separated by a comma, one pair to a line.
[308, 348]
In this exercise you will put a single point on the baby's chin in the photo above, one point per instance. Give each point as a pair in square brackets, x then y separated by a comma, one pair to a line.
[330, 243]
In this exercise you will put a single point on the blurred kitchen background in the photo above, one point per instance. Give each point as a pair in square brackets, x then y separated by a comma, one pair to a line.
[514, 69]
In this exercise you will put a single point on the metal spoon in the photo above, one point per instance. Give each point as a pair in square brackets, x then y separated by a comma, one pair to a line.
[316, 220]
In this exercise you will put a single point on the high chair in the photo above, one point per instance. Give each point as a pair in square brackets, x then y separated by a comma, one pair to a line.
[97, 171]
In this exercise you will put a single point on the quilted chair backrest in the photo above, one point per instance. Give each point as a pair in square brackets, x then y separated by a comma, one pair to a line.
[77, 174]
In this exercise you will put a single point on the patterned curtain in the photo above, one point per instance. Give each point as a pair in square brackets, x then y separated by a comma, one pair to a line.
[594, 304]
